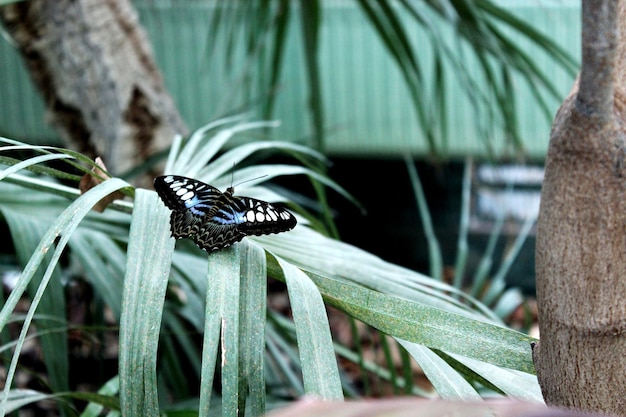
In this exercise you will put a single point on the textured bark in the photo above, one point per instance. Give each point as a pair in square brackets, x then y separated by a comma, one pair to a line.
[93, 65]
[581, 236]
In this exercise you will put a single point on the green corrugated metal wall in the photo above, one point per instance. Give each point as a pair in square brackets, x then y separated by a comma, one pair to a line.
[368, 111]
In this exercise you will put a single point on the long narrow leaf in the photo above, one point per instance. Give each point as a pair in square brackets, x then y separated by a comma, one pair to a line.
[462, 247]
[103, 261]
[184, 157]
[318, 254]
[429, 326]
[236, 155]
[110, 388]
[62, 229]
[147, 270]
[231, 321]
[311, 13]
[223, 274]
[26, 232]
[319, 366]
[18, 398]
[253, 307]
[446, 380]
[498, 282]
[517, 384]
[434, 250]
[31, 161]
[198, 160]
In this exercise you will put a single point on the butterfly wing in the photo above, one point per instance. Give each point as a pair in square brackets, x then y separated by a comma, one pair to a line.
[194, 206]
[213, 219]
[182, 193]
[262, 218]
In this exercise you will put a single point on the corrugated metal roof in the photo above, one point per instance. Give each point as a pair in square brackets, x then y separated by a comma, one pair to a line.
[368, 110]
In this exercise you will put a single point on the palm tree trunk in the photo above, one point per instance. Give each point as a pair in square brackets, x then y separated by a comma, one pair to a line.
[581, 237]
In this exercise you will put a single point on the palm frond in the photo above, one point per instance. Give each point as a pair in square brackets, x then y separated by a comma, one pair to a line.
[439, 326]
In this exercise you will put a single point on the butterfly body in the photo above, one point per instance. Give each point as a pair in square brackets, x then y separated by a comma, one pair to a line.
[214, 220]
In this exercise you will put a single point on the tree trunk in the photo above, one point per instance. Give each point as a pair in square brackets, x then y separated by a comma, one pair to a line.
[93, 65]
[581, 236]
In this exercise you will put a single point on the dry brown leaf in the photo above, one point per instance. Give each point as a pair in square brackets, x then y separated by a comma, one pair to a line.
[88, 181]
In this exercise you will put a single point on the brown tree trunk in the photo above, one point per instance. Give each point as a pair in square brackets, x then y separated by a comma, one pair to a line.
[581, 237]
[93, 65]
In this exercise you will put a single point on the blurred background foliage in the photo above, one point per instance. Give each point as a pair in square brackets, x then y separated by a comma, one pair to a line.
[404, 81]
[366, 78]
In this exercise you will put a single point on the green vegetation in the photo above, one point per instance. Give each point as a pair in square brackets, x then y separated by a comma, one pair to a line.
[161, 298]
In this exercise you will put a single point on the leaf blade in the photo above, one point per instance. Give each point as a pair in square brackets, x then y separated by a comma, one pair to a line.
[147, 269]
[319, 366]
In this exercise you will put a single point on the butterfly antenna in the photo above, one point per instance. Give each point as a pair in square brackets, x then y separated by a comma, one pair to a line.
[251, 179]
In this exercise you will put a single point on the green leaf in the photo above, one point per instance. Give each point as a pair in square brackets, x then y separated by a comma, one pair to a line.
[103, 262]
[61, 228]
[311, 13]
[147, 270]
[26, 232]
[237, 154]
[319, 366]
[31, 162]
[315, 253]
[434, 249]
[18, 398]
[445, 379]
[429, 326]
[230, 321]
[520, 385]
[106, 394]
[222, 314]
[252, 333]
[49, 152]
[191, 160]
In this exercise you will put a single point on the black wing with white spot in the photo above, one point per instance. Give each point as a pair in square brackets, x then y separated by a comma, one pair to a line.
[213, 219]
[261, 218]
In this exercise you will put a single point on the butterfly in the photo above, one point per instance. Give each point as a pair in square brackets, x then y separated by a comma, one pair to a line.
[214, 220]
